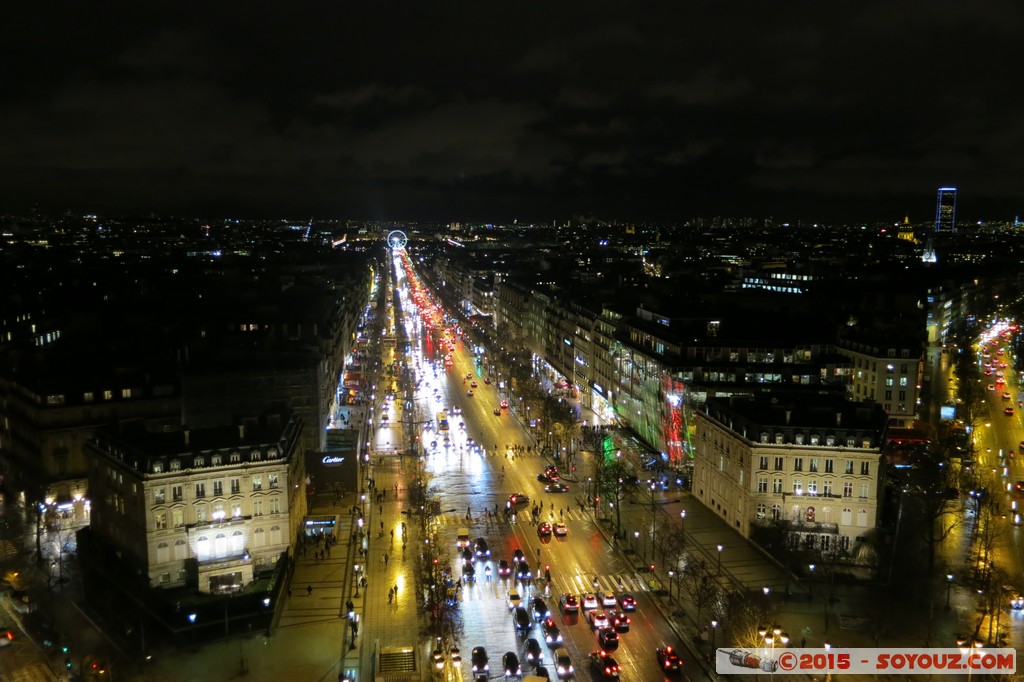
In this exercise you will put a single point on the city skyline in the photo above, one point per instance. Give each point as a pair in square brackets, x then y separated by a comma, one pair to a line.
[452, 114]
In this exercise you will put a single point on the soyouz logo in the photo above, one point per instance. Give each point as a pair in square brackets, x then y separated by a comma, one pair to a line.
[838, 661]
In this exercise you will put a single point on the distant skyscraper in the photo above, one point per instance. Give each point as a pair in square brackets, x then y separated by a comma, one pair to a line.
[945, 210]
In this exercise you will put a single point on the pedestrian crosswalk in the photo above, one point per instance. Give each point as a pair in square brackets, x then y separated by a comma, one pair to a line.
[495, 588]
[478, 516]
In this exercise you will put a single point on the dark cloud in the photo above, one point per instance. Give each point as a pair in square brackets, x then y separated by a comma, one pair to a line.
[836, 110]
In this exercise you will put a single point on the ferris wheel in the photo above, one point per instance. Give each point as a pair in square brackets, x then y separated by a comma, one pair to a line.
[397, 240]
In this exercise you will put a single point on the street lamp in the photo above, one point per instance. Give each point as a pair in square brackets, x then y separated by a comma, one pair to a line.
[949, 587]
[714, 628]
[772, 635]
[967, 647]
[720, 548]
[671, 579]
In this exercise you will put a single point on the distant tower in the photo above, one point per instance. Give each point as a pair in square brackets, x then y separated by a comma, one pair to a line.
[945, 210]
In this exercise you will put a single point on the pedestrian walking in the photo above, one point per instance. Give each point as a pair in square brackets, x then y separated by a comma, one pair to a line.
[385, 558]
[309, 590]
[395, 588]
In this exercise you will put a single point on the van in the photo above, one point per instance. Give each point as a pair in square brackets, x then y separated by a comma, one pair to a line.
[462, 538]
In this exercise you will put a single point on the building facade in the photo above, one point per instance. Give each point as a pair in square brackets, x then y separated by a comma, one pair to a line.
[810, 467]
[210, 508]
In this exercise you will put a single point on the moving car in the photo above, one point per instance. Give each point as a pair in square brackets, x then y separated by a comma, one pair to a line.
[472, 384]
[563, 664]
[6, 636]
[569, 603]
[608, 639]
[544, 530]
[606, 599]
[478, 658]
[603, 666]
[518, 499]
[504, 570]
[504, 404]
[497, 411]
[552, 635]
[561, 530]
[668, 659]
[556, 488]
[522, 618]
[517, 556]
[514, 599]
[523, 571]
[540, 609]
[627, 602]
[511, 664]
[589, 600]
[532, 652]
[481, 549]
[620, 621]
[598, 619]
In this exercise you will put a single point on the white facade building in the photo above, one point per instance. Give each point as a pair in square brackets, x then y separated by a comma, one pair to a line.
[810, 465]
[210, 508]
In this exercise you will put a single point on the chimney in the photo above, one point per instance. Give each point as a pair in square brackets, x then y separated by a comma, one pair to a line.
[241, 431]
[839, 418]
[185, 431]
[789, 413]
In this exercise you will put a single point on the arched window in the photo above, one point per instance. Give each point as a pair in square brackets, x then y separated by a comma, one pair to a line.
[203, 548]
[776, 512]
[847, 517]
[163, 552]
[862, 518]
[809, 515]
[237, 541]
[826, 515]
[220, 545]
[275, 535]
[259, 538]
[180, 550]
[762, 511]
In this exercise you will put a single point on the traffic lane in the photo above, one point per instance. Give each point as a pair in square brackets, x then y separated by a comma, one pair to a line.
[575, 561]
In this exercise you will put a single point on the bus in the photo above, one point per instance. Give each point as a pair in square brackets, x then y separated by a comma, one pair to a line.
[442, 422]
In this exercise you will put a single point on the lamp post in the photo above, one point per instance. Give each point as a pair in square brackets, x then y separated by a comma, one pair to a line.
[720, 548]
[671, 579]
[682, 526]
[636, 540]
[714, 629]
[772, 635]
[810, 582]
[967, 647]
[949, 588]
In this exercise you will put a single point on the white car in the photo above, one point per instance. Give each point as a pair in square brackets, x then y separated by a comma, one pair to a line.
[607, 599]
[589, 600]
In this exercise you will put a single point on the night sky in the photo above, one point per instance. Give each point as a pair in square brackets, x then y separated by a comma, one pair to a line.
[496, 111]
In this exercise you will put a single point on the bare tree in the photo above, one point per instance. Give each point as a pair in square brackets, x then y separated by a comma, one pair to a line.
[700, 584]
